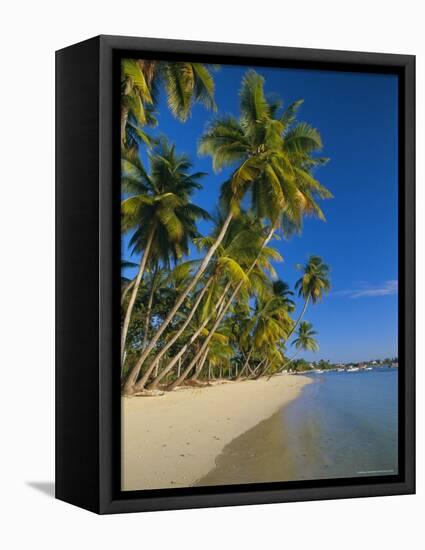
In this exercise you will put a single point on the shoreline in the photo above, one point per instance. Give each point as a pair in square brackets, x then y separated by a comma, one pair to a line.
[325, 433]
[180, 435]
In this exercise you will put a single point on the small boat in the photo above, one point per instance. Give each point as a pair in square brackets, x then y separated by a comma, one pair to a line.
[368, 368]
[353, 369]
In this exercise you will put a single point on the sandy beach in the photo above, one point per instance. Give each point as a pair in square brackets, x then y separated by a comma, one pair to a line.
[174, 440]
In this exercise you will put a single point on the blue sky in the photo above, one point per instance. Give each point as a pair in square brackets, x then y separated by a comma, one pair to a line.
[356, 115]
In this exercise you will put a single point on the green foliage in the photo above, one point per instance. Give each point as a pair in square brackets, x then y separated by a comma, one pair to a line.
[305, 337]
[272, 187]
[184, 83]
[160, 202]
[271, 155]
[315, 281]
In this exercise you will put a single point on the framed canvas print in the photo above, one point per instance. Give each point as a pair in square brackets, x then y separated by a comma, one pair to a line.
[235, 274]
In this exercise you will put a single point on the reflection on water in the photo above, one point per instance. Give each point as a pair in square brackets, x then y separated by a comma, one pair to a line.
[343, 425]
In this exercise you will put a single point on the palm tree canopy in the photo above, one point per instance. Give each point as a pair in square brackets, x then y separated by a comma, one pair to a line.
[270, 323]
[315, 281]
[305, 337]
[273, 156]
[185, 83]
[160, 200]
[282, 290]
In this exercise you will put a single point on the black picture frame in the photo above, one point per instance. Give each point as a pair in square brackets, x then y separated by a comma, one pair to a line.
[87, 275]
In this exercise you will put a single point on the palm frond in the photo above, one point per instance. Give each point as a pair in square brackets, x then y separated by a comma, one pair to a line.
[290, 113]
[303, 139]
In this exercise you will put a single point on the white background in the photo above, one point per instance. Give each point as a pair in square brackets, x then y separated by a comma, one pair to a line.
[29, 33]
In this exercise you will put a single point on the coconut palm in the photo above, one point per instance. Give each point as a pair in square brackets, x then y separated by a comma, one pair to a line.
[135, 99]
[218, 354]
[313, 284]
[159, 212]
[304, 341]
[194, 330]
[281, 290]
[240, 247]
[155, 283]
[273, 159]
[126, 284]
[218, 357]
[269, 324]
[272, 155]
[185, 83]
[305, 337]
[250, 280]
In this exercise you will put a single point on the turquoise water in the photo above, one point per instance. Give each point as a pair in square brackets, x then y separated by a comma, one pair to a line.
[344, 425]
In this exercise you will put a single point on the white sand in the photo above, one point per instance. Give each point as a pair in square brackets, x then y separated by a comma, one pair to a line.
[173, 440]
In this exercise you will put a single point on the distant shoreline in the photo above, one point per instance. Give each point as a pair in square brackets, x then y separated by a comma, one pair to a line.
[174, 440]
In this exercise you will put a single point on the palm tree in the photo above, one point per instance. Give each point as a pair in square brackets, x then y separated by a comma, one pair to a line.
[185, 83]
[240, 247]
[249, 279]
[218, 354]
[273, 159]
[156, 280]
[281, 290]
[159, 212]
[126, 284]
[305, 337]
[135, 99]
[312, 285]
[194, 331]
[237, 251]
[272, 154]
[305, 341]
[269, 323]
[179, 302]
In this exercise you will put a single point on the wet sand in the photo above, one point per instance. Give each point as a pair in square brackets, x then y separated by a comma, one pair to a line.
[174, 440]
[259, 455]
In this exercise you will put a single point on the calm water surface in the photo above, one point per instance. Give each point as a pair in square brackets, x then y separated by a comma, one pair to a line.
[345, 424]
[342, 425]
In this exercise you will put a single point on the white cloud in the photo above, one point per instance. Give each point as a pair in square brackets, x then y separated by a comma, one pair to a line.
[387, 288]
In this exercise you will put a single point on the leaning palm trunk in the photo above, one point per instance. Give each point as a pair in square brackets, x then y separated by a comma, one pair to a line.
[260, 370]
[126, 291]
[154, 384]
[263, 370]
[137, 282]
[200, 366]
[183, 350]
[221, 315]
[141, 383]
[301, 315]
[243, 369]
[148, 312]
[129, 386]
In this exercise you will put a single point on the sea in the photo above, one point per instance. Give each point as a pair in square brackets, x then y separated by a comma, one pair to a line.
[345, 424]
[342, 425]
